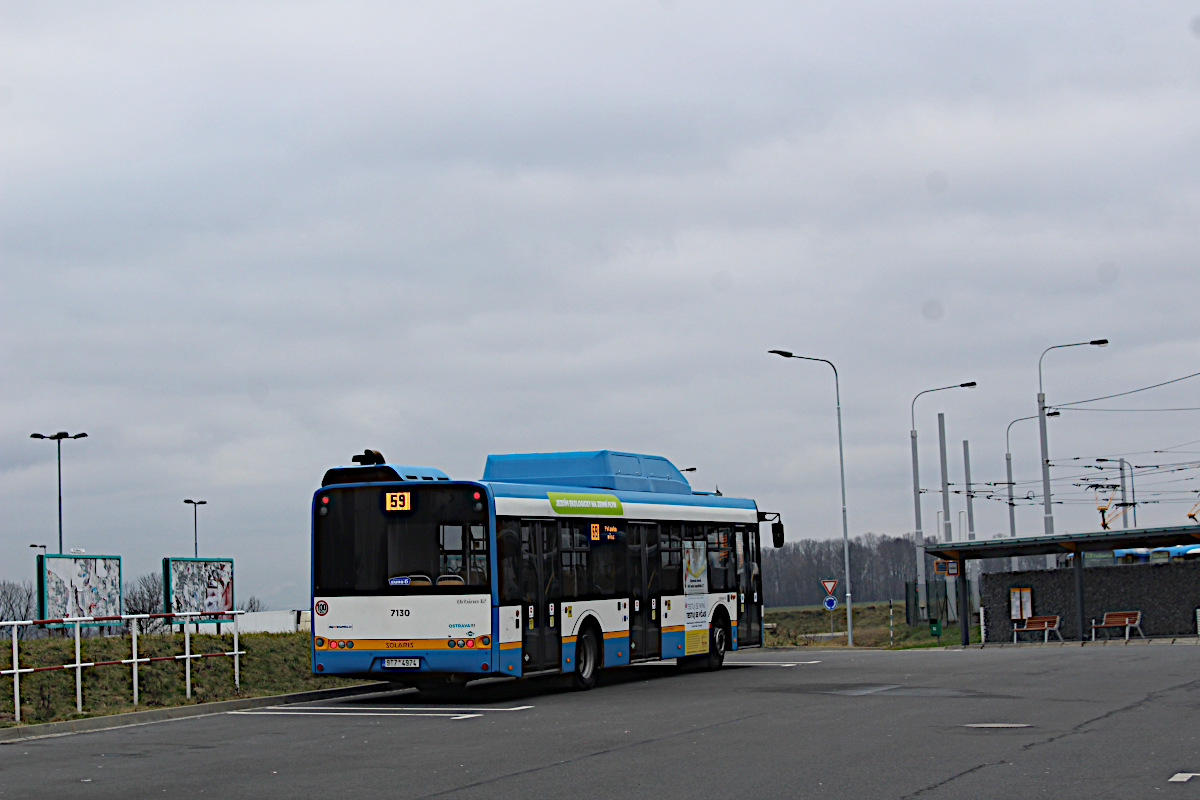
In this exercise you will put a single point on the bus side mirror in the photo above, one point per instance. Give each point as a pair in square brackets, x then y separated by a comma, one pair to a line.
[777, 533]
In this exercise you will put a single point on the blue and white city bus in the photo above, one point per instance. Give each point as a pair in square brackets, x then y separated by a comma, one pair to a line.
[552, 563]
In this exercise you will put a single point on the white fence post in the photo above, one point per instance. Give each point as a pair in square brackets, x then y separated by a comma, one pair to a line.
[187, 657]
[133, 631]
[78, 673]
[16, 678]
[237, 675]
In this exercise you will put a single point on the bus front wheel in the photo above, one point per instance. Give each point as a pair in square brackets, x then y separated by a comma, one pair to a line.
[718, 643]
[587, 659]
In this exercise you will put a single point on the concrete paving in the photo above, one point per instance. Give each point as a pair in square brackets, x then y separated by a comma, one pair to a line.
[998, 722]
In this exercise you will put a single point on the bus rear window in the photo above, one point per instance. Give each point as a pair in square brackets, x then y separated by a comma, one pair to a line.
[400, 540]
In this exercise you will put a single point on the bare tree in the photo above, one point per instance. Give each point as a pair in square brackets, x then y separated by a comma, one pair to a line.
[16, 603]
[144, 595]
[252, 603]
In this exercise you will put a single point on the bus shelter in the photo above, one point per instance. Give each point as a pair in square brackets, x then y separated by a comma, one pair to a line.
[1074, 543]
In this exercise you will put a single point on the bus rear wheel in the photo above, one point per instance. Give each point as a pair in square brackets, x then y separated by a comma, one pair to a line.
[587, 660]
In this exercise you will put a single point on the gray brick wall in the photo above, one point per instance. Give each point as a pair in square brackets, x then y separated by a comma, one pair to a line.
[1166, 594]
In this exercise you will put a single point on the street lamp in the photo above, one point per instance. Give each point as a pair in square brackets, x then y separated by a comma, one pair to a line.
[842, 470]
[195, 536]
[1049, 514]
[41, 546]
[922, 601]
[1012, 507]
[57, 438]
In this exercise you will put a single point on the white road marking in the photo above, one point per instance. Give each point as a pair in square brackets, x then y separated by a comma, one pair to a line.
[378, 711]
[1183, 777]
[411, 708]
[997, 725]
[772, 663]
[352, 714]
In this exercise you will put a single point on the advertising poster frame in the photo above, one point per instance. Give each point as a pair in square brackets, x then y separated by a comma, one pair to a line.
[169, 587]
[695, 601]
[47, 610]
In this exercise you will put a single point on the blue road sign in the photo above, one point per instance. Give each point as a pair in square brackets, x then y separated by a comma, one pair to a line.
[831, 602]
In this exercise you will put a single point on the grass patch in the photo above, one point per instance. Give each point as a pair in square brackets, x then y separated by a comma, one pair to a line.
[800, 626]
[274, 663]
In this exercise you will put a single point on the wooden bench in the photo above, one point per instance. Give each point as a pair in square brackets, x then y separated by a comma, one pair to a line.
[1120, 619]
[1046, 625]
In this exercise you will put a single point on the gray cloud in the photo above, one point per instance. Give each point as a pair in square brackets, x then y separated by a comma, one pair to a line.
[241, 244]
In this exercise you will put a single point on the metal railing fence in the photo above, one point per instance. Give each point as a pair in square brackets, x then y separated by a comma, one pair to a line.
[186, 657]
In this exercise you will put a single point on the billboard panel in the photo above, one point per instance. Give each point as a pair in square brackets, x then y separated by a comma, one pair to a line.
[198, 584]
[79, 586]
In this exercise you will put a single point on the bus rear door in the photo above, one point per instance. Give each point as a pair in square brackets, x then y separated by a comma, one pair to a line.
[645, 617]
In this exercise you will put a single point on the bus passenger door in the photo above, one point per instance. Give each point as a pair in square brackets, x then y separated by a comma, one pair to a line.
[749, 588]
[541, 600]
[645, 617]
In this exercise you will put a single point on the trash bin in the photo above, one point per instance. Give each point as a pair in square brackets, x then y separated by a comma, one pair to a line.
[935, 626]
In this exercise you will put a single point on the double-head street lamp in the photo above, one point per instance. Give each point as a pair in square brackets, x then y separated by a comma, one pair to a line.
[842, 469]
[921, 600]
[57, 439]
[1049, 514]
[195, 536]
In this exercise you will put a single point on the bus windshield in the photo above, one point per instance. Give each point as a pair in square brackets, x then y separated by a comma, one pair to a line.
[400, 539]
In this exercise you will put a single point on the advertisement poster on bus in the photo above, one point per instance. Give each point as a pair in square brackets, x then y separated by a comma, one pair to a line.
[198, 584]
[79, 586]
[695, 603]
[695, 568]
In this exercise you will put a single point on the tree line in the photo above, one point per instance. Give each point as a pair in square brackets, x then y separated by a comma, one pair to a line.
[879, 567]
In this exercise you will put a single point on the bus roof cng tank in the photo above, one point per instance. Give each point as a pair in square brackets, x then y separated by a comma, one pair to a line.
[593, 469]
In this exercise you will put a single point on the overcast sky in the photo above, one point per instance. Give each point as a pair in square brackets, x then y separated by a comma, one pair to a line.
[240, 242]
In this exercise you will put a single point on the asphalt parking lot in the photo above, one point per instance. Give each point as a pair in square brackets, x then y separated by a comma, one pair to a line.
[1091, 722]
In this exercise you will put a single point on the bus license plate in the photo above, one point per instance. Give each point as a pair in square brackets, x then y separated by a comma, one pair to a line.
[402, 663]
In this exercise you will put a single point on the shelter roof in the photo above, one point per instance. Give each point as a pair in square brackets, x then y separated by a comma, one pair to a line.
[1066, 542]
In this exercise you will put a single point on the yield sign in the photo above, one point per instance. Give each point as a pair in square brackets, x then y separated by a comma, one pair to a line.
[829, 586]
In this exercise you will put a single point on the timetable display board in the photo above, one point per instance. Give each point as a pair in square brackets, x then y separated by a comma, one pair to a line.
[1020, 603]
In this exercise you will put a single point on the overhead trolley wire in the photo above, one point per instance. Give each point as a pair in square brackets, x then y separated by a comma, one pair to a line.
[1131, 391]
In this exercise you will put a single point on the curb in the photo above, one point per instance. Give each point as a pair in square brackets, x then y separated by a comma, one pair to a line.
[65, 727]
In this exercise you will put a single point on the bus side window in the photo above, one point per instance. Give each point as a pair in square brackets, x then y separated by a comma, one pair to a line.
[721, 577]
[508, 555]
[574, 547]
[672, 559]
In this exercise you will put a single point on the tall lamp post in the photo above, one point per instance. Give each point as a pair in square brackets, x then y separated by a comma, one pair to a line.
[57, 439]
[1012, 506]
[195, 535]
[922, 601]
[842, 470]
[1049, 513]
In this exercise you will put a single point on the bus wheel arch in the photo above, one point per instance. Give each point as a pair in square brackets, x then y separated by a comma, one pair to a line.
[718, 639]
[589, 654]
